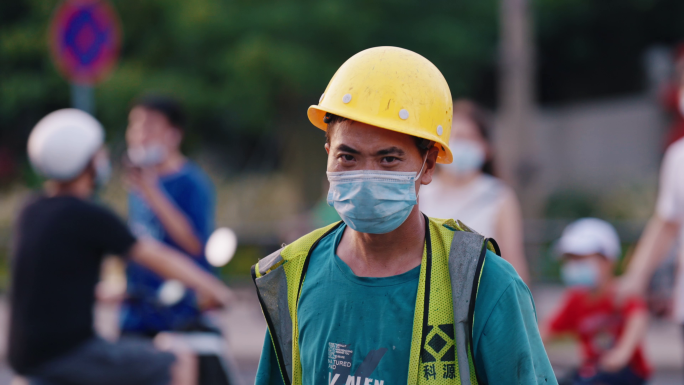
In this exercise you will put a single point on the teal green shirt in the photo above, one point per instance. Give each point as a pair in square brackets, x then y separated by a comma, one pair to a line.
[362, 327]
[346, 336]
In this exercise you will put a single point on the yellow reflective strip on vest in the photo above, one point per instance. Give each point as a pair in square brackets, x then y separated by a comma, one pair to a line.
[437, 360]
[417, 335]
[296, 253]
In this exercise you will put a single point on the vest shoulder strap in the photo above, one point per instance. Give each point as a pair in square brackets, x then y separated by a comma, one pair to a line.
[302, 246]
[466, 261]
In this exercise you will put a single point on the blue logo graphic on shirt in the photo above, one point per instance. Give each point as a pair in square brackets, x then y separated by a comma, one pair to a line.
[340, 363]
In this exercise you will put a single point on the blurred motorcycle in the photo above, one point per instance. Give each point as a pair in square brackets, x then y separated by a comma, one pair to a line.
[216, 363]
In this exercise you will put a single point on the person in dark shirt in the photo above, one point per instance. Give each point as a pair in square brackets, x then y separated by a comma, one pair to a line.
[171, 200]
[60, 240]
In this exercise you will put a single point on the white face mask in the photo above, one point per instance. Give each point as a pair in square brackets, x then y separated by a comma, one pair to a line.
[582, 273]
[145, 156]
[468, 157]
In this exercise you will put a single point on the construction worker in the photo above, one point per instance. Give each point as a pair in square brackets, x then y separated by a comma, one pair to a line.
[388, 295]
[61, 240]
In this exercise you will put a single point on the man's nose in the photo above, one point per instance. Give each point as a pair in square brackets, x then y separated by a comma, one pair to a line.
[369, 163]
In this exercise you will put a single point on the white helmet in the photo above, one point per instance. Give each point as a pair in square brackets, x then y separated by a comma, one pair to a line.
[63, 143]
[588, 236]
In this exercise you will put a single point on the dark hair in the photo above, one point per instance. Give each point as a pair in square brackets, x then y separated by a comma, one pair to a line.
[166, 105]
[478, 117]
[332, 120]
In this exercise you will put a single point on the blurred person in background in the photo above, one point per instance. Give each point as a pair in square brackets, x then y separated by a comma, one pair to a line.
[467, 189]
[389, 295]
[610, 332]
[171, 200]
[661, 232]
[61, 238]
[672, 98]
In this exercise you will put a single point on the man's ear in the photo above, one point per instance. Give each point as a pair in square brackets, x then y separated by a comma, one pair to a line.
[327, 148]
[430, 165]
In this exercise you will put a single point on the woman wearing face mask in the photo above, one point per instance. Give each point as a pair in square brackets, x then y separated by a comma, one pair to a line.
[468, 190]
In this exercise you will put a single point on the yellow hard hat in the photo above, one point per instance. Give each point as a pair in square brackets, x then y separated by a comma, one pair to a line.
[391, 88]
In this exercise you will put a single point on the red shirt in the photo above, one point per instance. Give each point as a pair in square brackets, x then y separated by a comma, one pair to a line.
[598, 323]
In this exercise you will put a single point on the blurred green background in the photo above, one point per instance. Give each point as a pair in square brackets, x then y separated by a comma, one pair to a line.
[244, 67]
[247, 71]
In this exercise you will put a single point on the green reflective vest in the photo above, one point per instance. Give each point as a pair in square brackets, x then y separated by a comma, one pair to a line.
[449, 277]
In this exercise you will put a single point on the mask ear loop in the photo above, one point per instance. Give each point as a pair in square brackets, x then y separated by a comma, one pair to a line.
[420, 173]
[421, 168]
[424, 145]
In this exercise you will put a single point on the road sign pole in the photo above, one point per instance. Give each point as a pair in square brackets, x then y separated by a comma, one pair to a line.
[83, 97]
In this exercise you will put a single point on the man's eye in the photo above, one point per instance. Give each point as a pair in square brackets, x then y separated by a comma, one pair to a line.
[347, 157]
[389, 159]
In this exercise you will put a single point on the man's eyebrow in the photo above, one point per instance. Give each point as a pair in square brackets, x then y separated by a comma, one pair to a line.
[345, 148]
[391, 151]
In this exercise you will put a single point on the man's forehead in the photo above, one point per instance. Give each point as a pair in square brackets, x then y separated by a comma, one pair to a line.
[150, 119]
[140, 112]
[369, 137]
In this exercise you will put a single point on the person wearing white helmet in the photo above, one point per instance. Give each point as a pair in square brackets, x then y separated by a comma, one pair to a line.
[61, 239]
[610, 332]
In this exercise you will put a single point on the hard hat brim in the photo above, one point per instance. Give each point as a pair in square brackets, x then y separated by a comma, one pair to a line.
[317, 113]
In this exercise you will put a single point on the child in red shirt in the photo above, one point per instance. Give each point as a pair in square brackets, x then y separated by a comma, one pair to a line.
[610, 333]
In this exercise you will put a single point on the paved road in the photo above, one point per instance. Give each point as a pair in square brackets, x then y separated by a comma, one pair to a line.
[245, 327]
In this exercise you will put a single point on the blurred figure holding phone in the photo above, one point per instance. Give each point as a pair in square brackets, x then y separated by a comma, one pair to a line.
[171, 200]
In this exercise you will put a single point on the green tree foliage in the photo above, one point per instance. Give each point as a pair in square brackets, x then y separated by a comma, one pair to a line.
[249, 67]
[240, 66]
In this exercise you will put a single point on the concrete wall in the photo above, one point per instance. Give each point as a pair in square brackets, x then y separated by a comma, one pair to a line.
[597, 146]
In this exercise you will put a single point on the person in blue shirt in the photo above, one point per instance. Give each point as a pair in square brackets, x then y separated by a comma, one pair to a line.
[171, 200]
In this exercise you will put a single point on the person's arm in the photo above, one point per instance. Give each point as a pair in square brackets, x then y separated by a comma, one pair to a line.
[509, 235]
[661, 230]
[171, 264]
[174, 221]
[635, 329]
[268, 372]
[510, 348]
[655, 242]
[561, 321]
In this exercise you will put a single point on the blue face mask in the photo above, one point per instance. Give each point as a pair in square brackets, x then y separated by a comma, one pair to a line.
[584, 273]
[373, 202]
